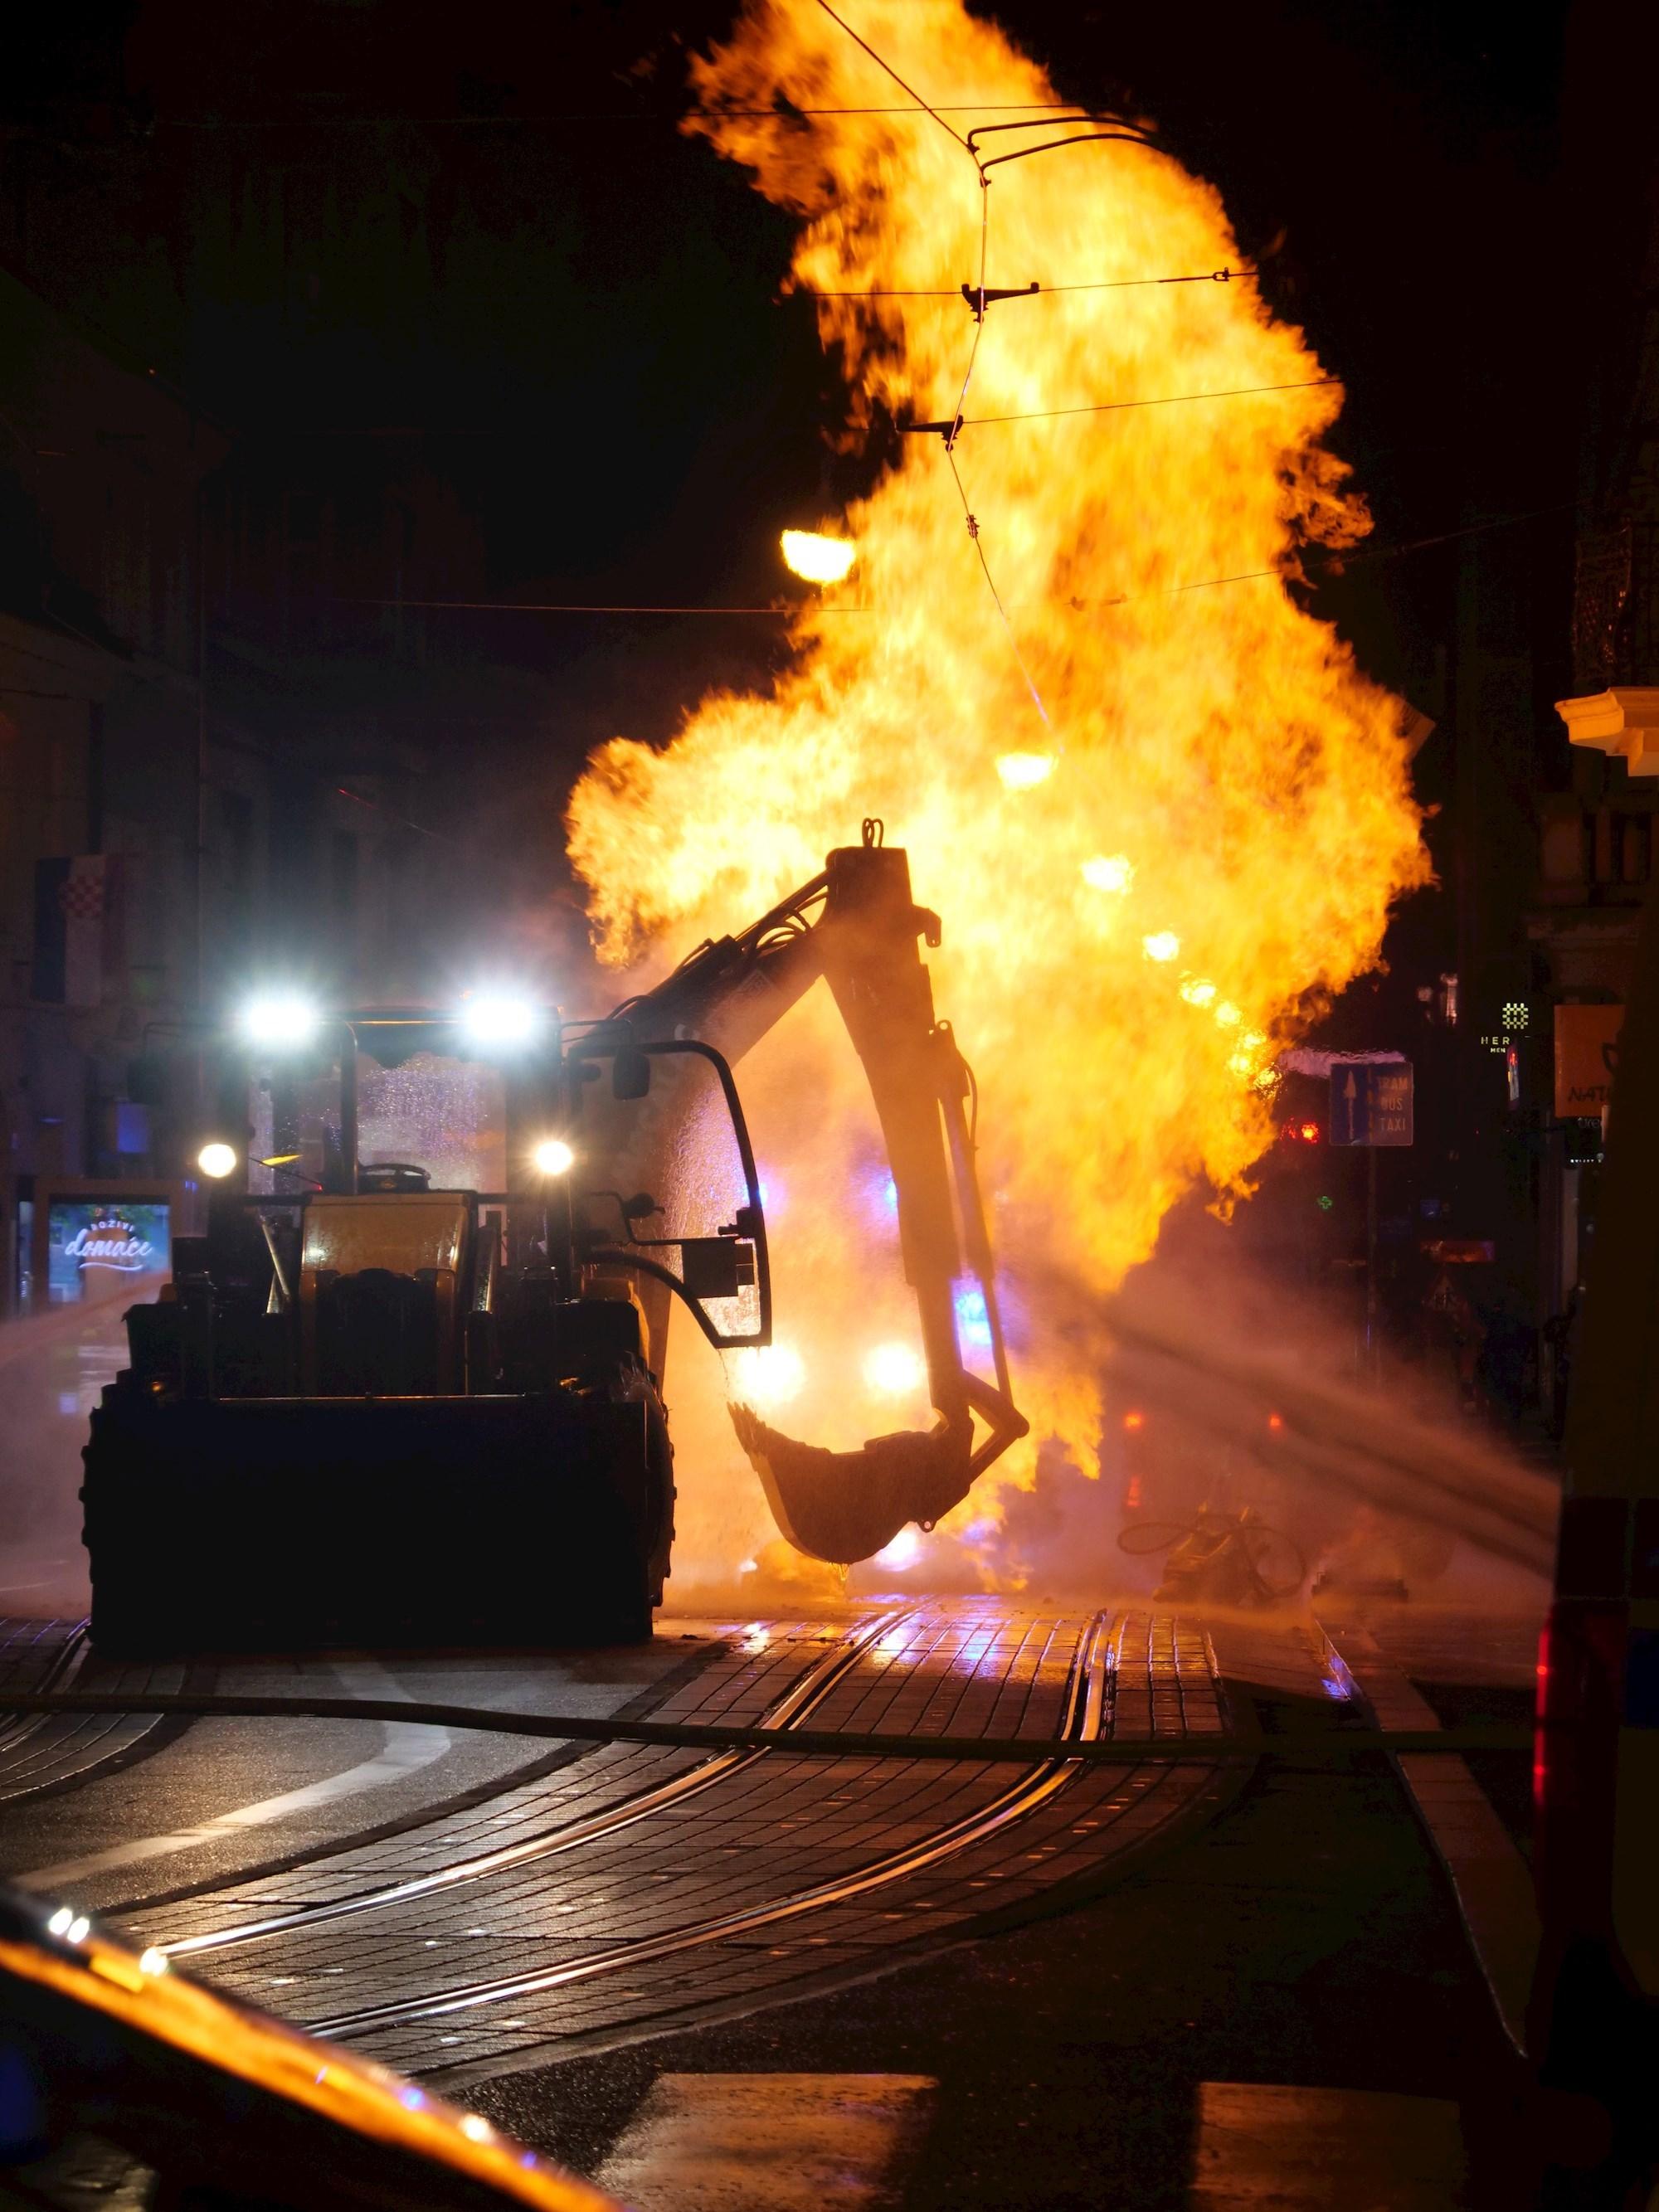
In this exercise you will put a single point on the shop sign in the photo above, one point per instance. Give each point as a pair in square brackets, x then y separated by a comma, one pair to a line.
[93, 1241]
[1586, 1054]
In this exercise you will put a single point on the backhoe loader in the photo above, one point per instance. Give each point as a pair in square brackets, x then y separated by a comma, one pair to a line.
[405, 1389]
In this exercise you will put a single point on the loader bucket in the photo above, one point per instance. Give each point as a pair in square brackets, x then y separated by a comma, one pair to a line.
[846, 1507]
[285, 1523]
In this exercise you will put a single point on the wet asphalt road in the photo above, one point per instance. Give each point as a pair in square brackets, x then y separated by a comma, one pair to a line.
[1306, 1934]
[280, 1772]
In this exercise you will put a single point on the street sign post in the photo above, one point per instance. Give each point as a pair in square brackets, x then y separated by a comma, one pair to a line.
[1371, 1102]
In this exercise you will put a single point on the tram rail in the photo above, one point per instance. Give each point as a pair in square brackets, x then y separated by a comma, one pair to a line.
[1085, 1716]
[802, 1698]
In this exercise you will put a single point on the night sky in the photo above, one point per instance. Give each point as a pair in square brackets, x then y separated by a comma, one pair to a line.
[575, 308]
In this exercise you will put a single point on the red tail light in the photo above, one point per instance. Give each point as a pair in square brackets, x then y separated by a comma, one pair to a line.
[1581, 1668]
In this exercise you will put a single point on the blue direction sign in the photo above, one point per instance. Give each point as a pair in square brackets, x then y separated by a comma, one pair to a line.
[1370, 1101]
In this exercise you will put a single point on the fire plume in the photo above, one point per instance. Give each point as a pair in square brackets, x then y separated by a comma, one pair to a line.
[1222, 816]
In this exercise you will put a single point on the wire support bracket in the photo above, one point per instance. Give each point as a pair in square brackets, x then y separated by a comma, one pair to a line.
[981, 297]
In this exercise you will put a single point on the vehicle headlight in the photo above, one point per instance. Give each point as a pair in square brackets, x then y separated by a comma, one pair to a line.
[497, 1018]
[279, 1020]
[553, 1157]
[217, 1160]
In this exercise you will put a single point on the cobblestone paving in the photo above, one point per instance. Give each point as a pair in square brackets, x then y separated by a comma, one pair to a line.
[40, 1752]
[737, 1690]
[763, 1831]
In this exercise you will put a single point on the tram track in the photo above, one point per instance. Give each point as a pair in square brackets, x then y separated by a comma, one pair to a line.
[943, 1769]
[947, 1766]
[43, 1751]
[1084, 1714]
[21, 1728]
[794, 1707]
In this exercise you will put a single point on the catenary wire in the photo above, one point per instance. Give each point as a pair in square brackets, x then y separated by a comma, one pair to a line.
[676, 117]
[1116, 406]
[1040, 291]
[888, 68]
[969, 516]
[1331, 562]
[1334, 563]
[991, 584]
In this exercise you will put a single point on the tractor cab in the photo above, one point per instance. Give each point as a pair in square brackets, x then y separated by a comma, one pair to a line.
[405, 1186]
[440, 1253]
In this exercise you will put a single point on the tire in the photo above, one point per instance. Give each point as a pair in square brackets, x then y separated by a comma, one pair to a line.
[635, 1610]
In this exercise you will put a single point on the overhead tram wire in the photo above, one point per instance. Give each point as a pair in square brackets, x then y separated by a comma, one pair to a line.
[964, 423]
[1337, 562]
[593, 607]
[887, 68]
[1332, 562]
[980, 299]
[675, 117]
[1116, 406]
[969, 516]
[1034, 290]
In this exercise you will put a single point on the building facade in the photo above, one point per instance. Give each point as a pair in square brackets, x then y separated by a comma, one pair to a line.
[226, 758]
[103, 751]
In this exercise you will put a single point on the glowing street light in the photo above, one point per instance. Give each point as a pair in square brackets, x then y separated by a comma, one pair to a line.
[817, 558]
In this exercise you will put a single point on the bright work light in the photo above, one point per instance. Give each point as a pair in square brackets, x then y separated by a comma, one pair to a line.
[496, 1018]
[217, 1160]
[1025, 771]
[279, 1020]
[893, 1368]
[553, 1157]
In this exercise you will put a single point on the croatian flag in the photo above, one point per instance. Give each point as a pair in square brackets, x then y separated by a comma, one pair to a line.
[74, 910]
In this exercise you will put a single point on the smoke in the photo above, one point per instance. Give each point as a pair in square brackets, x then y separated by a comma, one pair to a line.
[52, 1368]
[1223, 1385]
[1148, 879]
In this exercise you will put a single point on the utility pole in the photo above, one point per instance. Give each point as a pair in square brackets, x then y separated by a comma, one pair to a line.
[1370, 1261]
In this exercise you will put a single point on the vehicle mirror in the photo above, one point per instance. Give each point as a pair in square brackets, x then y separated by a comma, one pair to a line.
[630, 1073]
[710, 1267]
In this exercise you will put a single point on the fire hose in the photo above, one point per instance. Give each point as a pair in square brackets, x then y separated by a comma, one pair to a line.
[1332, 1745]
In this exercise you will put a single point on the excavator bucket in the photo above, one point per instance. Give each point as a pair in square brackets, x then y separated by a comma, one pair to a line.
[847, 1506]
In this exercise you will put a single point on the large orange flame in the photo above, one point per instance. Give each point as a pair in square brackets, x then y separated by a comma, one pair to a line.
[1150, 871]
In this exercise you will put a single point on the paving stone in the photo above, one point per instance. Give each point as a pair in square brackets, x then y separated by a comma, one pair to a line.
[761, 1832]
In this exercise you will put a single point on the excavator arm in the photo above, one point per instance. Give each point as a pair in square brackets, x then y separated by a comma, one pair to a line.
[857, 926]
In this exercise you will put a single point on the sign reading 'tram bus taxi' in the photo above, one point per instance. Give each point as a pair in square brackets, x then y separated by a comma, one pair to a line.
[1372, 1102]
